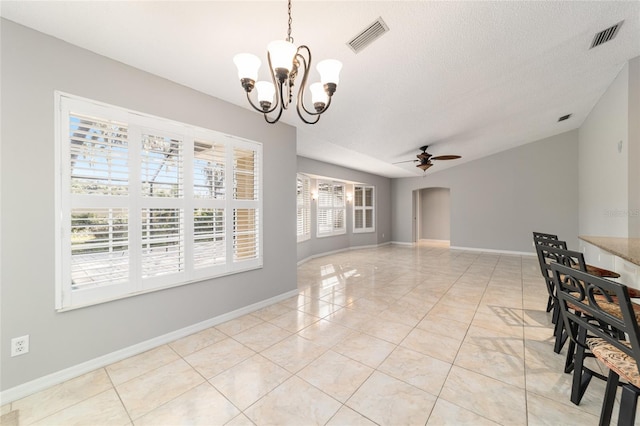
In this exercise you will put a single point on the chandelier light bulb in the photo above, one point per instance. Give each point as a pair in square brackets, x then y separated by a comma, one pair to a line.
[248, 66]
[318, 95]
[282, 53]
[266, 91]
[329, 70]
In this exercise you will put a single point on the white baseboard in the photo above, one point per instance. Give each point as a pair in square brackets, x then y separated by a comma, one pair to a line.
[369, 246]
[26, 389]
[317, 255]
[327, 253]
[509, 252]
[402, 243]
[430, 240]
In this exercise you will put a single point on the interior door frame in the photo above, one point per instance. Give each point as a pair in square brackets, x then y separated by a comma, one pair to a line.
[415, 211]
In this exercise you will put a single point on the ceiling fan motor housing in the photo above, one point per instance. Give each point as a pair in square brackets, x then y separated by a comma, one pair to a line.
[424, 158]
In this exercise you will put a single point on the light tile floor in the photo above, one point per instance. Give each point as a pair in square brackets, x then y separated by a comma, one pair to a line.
[394, 335]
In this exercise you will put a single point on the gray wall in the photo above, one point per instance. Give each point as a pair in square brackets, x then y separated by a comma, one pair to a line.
[634, 148]
[316, 246]
[435, 214]
[497, 201]
[609, 179]
[33, 66]
[603, 170]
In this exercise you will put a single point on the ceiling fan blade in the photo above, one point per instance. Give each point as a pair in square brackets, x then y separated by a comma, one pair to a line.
[446, 157]
[408, 161]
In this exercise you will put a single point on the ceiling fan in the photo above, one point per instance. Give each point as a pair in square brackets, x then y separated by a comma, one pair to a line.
[424, 158]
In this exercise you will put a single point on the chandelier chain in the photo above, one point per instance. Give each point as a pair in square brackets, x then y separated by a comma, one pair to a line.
[289, 38]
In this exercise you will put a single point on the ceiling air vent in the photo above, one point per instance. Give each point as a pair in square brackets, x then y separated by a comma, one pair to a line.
[606, 35]
[564, 117]
[368, 35]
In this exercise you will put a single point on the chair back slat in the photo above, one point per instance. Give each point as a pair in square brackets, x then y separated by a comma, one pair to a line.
[556, 252]
[582, 298]
[542, 235]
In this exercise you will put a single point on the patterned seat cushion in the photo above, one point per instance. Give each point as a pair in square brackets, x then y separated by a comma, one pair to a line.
[599, 272]
[613, 308]
[615, 359]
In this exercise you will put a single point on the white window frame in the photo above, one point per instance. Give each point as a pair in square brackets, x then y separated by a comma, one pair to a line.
[303, 207]
[333, 207]
[364, 208]
[137, 123]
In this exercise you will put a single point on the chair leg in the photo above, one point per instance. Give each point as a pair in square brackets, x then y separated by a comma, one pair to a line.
[609, 398]
[581, 376]
[549, 304]
[555, 313]
[628, 402]
[571, 353]
[560, 335]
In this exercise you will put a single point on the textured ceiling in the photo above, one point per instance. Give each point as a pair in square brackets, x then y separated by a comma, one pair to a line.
[466, 78]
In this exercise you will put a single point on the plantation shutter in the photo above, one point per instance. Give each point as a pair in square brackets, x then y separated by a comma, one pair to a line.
[325, 210]
[368, 203]
[99, 175]
[209, 237]
[331, 208]
[363, 209]
[338, 207]
[358, 219]
[147, 203]
[246, 242]
[209, 216]
[208, 170]
[303, 202]
[162, 242]
[99, 160]
[99, 246]
[162, 166]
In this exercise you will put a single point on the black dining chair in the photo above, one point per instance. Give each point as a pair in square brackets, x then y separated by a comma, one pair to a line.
[554, 241]
[576, 354]
[547, 256]
[548, 242]
[599, 316]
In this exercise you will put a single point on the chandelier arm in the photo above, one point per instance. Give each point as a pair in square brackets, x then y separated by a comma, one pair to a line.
[260, 110]
[326, 107]
[304, 119]
[280, 103]
[300, 98]
[280, 99]
[317, 114]
[303, 85]
[275, 120]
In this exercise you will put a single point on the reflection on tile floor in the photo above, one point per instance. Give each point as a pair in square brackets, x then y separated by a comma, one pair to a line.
[390, 335]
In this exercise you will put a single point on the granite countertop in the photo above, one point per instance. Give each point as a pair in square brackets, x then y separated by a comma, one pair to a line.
[626, 248]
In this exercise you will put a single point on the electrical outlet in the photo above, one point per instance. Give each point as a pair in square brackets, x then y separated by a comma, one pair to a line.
[19, 345]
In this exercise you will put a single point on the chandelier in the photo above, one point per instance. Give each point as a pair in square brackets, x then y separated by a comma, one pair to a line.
[286, 63]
